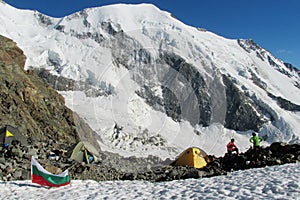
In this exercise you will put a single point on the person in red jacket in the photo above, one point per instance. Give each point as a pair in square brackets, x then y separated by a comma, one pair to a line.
[231, 147]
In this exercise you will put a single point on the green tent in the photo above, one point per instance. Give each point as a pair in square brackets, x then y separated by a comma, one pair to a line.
[84, 152]
[9, 133]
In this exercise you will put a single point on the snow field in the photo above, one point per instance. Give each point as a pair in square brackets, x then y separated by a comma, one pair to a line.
[276, 182]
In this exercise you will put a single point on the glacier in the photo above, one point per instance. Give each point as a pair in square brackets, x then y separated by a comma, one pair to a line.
[168, 85]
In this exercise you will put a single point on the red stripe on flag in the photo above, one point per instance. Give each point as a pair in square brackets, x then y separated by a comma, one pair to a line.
[40, 180]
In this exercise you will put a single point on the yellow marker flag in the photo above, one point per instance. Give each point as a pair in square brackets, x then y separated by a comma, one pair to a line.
[9, 134]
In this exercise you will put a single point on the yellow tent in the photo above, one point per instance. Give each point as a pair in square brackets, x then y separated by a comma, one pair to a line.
[193, 156]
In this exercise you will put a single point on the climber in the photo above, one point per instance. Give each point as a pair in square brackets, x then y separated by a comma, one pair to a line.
[231, 147]
[255, 140]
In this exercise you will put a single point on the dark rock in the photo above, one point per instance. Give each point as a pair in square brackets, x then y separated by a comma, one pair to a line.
[288, 158]
[173, 174]
[129, 176]
[25, 175]
[241, 113]
[277, 147]
[285, 104]
[278, 162]
[2, 160]
[31, 152]
[17, 153]
[17, 175]
[192, 173]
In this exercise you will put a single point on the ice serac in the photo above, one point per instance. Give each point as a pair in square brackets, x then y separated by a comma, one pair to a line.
[166, 85]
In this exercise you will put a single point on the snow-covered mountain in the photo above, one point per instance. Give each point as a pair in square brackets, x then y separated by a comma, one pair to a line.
[164, 85]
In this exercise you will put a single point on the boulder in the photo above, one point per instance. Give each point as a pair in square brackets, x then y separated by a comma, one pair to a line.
[277, 147]
[17, 175]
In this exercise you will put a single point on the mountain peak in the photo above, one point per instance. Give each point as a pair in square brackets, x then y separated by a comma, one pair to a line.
[169, 85]
[130, 16]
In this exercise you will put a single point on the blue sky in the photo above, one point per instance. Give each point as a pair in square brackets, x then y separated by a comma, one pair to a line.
[273, 24]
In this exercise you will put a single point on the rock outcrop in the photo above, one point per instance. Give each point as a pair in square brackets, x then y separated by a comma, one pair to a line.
[28, 103]
[15, 164]
[276, 154]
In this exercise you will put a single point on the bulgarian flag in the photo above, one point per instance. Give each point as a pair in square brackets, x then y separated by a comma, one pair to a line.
[41, 176]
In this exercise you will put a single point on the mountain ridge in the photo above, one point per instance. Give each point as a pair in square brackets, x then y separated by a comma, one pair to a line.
[156, 76]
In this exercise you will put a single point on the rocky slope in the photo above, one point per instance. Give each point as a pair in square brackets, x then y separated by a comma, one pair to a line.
[35, 108]
[28, 103]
